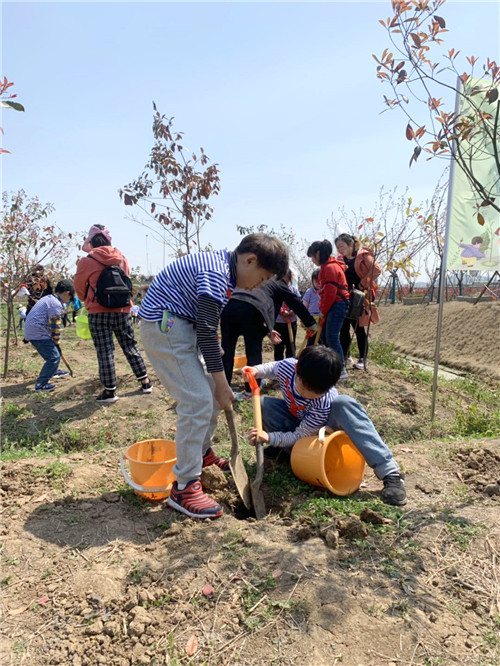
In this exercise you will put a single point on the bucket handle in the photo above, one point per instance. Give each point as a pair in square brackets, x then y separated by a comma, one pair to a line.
[136, 486]
[322, 432]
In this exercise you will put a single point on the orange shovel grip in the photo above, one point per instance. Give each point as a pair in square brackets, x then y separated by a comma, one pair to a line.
[250, 378]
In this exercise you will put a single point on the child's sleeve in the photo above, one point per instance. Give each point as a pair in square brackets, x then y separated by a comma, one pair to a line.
[266, 370]
[55, 329]
[207, 322]
[315, 418]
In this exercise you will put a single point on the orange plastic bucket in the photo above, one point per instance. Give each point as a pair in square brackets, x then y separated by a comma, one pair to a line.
[330, 461]
[151, 462]
[240, 362]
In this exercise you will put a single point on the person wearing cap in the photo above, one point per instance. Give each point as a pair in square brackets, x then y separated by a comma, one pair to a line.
[103, 321]
[43, 330]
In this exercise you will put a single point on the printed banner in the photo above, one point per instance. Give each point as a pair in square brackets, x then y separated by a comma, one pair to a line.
[471, 245]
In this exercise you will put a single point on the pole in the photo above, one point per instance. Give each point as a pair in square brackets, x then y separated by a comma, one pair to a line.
[442, 272]
[393, 289]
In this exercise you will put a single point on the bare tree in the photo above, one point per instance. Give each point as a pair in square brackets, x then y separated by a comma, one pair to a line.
[171, 192]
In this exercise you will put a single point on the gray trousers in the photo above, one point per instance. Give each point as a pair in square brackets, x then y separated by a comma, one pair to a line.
[175, 357]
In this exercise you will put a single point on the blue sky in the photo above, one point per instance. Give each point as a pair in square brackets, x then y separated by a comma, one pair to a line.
[283, 96]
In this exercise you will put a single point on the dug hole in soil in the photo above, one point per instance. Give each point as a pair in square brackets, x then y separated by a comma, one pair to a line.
[91, 574]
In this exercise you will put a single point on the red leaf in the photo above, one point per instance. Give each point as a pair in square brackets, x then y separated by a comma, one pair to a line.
[441, 22]
[192, 645]
[416, 39]
[410, 134]
[480, 219]
[153, 207]
[207, 590]
[43, 600]
[277, 573]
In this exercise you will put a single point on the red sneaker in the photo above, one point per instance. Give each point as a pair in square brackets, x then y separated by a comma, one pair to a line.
[211, 459]
[193, 502]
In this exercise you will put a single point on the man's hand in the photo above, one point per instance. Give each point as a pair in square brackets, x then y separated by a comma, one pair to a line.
[253, 436]
[275, 337]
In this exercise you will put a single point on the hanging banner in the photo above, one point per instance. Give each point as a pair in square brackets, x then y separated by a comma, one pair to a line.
[473, 246]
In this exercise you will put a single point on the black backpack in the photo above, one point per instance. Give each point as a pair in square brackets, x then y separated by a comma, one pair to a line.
[357, 300]
[113, 288]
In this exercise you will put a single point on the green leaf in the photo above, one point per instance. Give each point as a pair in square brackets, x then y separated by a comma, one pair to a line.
[12, 105]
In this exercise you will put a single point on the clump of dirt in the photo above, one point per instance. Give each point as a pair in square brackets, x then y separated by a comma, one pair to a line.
[480, 470]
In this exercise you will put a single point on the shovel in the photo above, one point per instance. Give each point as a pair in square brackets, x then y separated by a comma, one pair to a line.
[236, 465]
[66, 362]
[257, 497]
[290, 335]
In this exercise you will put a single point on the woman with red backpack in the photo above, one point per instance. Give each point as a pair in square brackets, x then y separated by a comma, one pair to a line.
[334, 295]
[361, 272]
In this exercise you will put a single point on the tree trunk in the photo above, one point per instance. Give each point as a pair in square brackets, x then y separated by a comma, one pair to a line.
[7, 340]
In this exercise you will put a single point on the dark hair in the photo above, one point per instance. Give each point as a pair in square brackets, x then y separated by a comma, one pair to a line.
[319, 368]
[324, 248]
[476, 239]
[271, 253]
[65, 285]
[315, 275]
[349, 240]
[99, 240]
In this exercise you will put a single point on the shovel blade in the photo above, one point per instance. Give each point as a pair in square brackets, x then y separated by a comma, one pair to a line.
[257, 497]
[236, 465]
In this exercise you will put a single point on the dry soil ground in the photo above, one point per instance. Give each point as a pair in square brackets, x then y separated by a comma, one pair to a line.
[91, 574]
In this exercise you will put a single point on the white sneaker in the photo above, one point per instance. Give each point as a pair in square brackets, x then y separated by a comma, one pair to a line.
[349, 361]
[360, 365]
[343, 374]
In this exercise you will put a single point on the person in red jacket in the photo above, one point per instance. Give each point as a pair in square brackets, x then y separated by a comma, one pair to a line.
[361, 272]
[103, 322]
[333, 293]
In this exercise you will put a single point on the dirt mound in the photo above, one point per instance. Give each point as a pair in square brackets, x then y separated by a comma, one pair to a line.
[470, 337]
[481, 470]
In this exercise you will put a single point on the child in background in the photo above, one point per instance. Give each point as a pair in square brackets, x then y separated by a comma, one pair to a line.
[287, 315]
[21, 311]
[179, 320]
[134, 313]
[334, 295]
[43, 330]
[311, 300]
[310, 402]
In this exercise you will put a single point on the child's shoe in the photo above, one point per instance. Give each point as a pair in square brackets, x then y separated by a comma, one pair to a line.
[107, 397]
[60, 373]
[211, 459]
[45, 387]
[360, 365]
[394, 491]
[147, 387]
[193, 502]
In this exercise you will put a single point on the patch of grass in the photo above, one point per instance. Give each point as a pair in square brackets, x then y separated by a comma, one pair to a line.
[232, 547]
[463, 532]
[285, 484]
[323, 508]
[55, 472]
[478, 421]
[386, 356]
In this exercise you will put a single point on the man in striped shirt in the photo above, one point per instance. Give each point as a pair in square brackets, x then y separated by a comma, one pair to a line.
[310, 402]
[179, 320]
[43, 330]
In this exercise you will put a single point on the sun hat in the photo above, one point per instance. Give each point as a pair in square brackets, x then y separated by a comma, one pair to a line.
[94, 230]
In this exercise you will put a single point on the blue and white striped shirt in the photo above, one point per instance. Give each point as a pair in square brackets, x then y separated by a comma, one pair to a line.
[178, 286]
[312, 414]
[37, 326]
